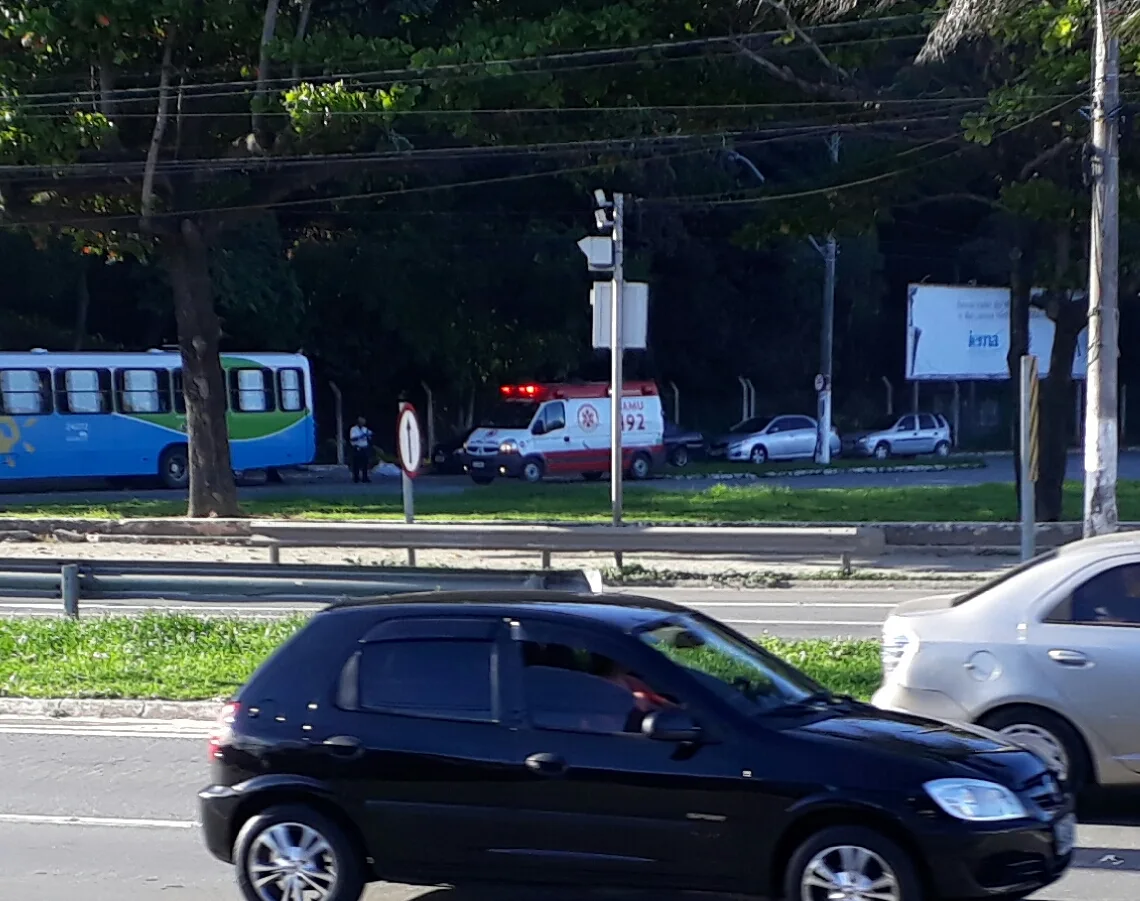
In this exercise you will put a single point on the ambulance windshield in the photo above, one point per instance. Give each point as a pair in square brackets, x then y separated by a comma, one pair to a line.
[511, 415]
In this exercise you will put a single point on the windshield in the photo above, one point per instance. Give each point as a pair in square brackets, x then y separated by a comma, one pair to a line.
[883, 424]
[756, 424]
[510, 415]
[746, 676]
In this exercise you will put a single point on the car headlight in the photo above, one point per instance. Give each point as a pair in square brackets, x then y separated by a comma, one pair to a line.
[510, 446]
[975, 800]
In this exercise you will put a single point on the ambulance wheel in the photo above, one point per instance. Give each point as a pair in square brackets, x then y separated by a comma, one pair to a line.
[593, 476]
[532, 470]
[482, 480]
[640, 468]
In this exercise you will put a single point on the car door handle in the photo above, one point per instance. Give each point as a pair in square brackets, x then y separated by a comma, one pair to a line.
[546, 764]
[566, 438]
[1074, 659]
[344, 746]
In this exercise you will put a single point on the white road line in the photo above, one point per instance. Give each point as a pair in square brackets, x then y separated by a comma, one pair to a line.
[820, 623]
[764, 605]
[27, 819]
[80, 732]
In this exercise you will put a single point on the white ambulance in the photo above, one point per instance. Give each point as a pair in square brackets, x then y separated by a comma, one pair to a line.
[564, 429]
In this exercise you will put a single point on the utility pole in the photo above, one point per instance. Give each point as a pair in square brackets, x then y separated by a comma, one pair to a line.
[829, 251]
[1101, 437]
[617, 377]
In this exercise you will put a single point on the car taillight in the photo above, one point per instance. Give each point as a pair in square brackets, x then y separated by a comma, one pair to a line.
[222, 733]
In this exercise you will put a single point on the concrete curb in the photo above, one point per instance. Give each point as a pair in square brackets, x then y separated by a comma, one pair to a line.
[99, 708]
[752, 476]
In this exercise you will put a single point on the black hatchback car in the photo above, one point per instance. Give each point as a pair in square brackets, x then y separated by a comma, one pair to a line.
[609, 741]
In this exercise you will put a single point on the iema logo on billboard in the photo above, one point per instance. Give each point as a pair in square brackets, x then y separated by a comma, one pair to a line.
[977, 340]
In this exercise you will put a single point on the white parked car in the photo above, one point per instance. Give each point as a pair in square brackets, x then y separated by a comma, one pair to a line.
[905, 436]
[765, 438]
[1048, 654]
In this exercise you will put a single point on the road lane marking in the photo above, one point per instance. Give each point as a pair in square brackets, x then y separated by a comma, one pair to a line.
[27, 819]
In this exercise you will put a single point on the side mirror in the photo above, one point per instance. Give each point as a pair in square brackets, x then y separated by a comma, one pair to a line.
[671, 725]
[539, 428]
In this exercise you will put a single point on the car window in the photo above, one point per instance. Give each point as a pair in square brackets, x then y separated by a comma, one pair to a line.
[781, 424]
[435, 678]
[740, 672]
[1110, 598]
[580, 690]
[555, 416]
[906, 424]
[926, 421]
[800, 422]
[750, 426]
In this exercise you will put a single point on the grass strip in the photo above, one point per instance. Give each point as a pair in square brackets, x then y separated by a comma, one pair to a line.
[718, 467]
[188, 658]
[591, 503]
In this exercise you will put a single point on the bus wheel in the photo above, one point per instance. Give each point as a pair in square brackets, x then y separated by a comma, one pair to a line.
[174, 467]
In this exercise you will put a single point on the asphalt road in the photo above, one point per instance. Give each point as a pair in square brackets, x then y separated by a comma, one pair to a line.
[105, 815]
[809, 612]
[998, 469]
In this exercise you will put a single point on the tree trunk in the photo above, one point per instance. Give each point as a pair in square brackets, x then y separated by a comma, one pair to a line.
[1019, 290]
[212, 488]
[1056, 401]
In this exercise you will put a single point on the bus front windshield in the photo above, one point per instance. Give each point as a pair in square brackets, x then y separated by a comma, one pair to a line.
[746, 676]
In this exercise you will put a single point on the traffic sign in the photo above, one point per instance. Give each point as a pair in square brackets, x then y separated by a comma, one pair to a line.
[409, 440]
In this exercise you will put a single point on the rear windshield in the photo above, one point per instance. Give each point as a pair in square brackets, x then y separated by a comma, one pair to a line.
[1005, 577]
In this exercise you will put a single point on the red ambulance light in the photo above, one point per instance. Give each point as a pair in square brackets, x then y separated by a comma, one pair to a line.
[507, 390]
[528, 390]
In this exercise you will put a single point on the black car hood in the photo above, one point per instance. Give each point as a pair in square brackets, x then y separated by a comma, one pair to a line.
[917, 738]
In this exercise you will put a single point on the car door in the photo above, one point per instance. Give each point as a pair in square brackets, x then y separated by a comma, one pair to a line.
[905, 439]
[420, 742]
[1088, 647]
[778, 438]
[928, 434]
[607, 803]
[552, 439]
[804, 435]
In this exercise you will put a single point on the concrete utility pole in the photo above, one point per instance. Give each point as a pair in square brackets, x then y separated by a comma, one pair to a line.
[829, 251]
[617, 352]
[1101, 437]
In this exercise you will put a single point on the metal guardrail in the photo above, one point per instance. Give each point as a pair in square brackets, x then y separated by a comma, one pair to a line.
[229, 583]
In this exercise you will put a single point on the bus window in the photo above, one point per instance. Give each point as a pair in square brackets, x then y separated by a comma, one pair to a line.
[83, 391]
[249, 391]
[143, 390]
[24, 392]
[291, 390]
[179, 394]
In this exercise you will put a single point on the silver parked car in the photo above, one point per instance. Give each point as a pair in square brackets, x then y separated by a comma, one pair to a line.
[765, 438]
[1048, 654]
[905, 436]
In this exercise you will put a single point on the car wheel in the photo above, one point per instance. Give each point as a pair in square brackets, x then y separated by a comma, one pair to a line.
[174, 467]
[640, 468]
[1049, 737]
[292, 852]
[882, 450]
[482, 480]
[851, 862]
[679, 457]
[759, 455]
[942, 449]
[592, 476]
[532, 470]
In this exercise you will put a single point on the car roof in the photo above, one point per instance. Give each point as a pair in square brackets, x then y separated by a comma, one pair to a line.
[623, 611]
[1120, 542]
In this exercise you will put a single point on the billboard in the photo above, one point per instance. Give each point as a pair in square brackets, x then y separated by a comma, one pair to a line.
[958, 333]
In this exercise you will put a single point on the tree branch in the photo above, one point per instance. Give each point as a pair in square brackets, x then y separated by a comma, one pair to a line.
[794, 27]
[146, 204]
[302, 29]
[268, 31]
[1044, 157]
[786, 75]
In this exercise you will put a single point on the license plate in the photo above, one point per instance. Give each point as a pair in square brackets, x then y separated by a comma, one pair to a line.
[478, 464]
[1065, 834]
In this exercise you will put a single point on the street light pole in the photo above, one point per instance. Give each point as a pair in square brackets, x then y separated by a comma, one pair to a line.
[617, 376]
[1101, 436]
[829, 251]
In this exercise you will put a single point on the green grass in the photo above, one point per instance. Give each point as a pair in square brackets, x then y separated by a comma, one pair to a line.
[590, 503]
[712, 466]
[176, 657]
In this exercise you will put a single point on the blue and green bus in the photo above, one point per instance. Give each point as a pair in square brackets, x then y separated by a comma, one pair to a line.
[109, 415]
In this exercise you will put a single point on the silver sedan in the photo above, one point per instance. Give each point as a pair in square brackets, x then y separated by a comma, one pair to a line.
[1048, 654]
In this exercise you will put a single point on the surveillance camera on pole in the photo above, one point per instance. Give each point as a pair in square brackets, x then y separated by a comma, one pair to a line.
[601, 200]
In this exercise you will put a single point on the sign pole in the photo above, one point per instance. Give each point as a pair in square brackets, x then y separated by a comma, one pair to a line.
[1029, 462]
[617, 378]
[409, 443]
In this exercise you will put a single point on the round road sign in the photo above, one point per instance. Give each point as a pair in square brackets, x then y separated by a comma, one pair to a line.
[409, 440]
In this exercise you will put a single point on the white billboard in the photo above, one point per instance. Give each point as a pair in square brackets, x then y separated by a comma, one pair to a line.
[958, 333]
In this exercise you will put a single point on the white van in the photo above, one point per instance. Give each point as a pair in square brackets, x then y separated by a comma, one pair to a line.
[564, 429]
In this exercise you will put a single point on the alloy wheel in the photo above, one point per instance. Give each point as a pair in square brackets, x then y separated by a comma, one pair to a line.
[1041, 742]
[848, 873]
[292, 862]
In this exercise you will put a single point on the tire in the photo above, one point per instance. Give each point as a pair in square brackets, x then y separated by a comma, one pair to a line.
[759, 455]
[174, 467]
[1050, 737]
[882, 450]
[532, 470]
[287, 823]
[881, 859]
[482, 480]
[640, 468]
[679, 457]
[593, 476]
[942, 449]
